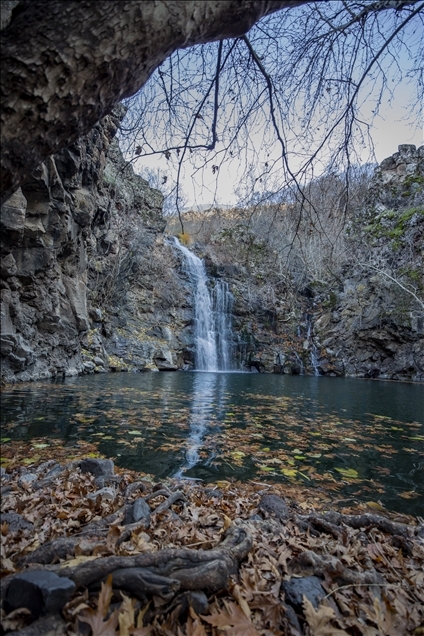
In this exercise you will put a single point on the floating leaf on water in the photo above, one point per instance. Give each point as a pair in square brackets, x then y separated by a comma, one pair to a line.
[266, 469]
[410, 494]
[349, 439]
[135, 433]
[348, 472]
[41, 445]
[238, 454]
[299, 457]
[375, 506]
[5, 439]
[418, 438]
[108, 437]
[316, 434]
[289, 472]
[4, 461]
[305, 476]
[266, 450]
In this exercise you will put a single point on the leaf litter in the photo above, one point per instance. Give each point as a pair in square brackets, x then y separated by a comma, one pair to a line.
[373, 579]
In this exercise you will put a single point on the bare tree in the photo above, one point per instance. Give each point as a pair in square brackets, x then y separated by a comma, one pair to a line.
[287, 99]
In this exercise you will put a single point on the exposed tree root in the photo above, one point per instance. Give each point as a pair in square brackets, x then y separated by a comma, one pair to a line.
[311, 563]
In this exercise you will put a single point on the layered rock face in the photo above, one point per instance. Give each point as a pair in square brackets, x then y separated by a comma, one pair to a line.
[376, 325]
[87, 281]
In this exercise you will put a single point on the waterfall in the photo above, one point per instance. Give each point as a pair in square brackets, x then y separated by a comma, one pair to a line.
[212, 315]
[314, 350]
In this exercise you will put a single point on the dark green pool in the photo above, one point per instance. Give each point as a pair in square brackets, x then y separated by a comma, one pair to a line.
[360, 438]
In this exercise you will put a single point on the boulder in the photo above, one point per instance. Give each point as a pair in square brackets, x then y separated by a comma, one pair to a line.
[273, 504]
[39, 591]
[310, 586]
[97, 467]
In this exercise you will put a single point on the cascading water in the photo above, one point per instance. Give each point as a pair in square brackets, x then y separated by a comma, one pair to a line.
[222, 303]
[212, 315]
[314, 350]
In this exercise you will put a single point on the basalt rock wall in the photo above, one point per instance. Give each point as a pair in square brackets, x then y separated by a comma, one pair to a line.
[88, 282]
[375, 326]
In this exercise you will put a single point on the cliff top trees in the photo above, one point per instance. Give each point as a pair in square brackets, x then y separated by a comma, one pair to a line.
[67, 63]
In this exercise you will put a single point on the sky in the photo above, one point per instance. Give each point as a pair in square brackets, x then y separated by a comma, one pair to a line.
[394, 125]
[390, 129]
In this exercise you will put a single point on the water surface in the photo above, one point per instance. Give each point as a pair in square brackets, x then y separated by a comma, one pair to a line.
[362, 439]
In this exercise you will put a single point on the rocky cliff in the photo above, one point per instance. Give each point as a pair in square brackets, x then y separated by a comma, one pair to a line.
[375, 324]
[88, 284]
[369, 320]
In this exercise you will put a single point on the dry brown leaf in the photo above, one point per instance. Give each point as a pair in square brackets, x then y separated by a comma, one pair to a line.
[233, 620]
[318, 620]
[95, 618]
[194, 626]
[141, 631]
[77, 561]
[15, 620]
[237, 594]
[126, 616]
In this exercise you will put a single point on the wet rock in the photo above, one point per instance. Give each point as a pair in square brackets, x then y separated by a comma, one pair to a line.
[310, 586]
[97, 467]
[16, 522]
[273, 504]
[39, 591]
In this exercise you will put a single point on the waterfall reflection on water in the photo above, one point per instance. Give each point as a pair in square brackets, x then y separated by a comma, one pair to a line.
[207, 407]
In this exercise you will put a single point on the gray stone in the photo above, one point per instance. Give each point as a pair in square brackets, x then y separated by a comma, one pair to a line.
[96, 314]
[140, 509]
[39, 591]
[97, 467]
[27, 479]
[45, 466]
[273, 504]
[99, 482]
[16, 522]
[310, 586]
[195, 599]
[107, 492]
